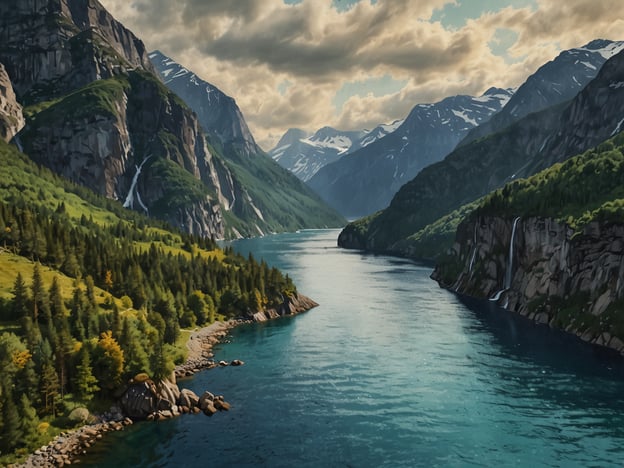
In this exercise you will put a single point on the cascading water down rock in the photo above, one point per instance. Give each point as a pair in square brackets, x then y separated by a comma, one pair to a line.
[129, 202]
[509, 270]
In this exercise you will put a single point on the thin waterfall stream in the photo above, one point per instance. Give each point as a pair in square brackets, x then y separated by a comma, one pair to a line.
[509, 271]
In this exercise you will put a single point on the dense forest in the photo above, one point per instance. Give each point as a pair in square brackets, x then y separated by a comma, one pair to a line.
[95, 301]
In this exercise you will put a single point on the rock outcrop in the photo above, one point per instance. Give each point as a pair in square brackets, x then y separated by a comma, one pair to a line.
[292, 305]
[11, 117]
[52, 47]
[568, 280]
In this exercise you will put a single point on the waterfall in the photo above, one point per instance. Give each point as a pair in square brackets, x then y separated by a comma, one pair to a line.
[18, 143]
[509, 271]
[129, 202]
[474, 247]
[508, 274]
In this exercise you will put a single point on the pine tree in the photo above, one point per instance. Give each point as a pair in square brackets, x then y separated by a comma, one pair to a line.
[11, 427]
[131, 343]
[49, 387]
[20, 298]
[29, 422]
[57, 306]
[40, 305]
[85, 383]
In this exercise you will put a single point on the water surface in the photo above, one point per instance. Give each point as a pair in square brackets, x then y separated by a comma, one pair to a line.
[390, 370]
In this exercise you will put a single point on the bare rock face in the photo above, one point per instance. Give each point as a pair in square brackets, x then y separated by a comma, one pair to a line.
[101, 143]
[51, 47]
[11, 117]
[567, 280]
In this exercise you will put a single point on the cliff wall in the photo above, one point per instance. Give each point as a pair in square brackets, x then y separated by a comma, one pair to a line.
[551, 275]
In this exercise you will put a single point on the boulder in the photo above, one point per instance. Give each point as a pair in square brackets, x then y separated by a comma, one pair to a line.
[210, 409]
[139, 401]
[188, 398]
[222, 405]
[206, 399]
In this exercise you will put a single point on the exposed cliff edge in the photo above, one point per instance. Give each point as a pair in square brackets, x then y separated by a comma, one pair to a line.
[11, 117]
[292, 305]
[544, 271]
[52, 47]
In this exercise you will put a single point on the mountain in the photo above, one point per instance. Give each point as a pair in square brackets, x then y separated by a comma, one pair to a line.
[218, 113]
[261, 197]
[54, 47]
[471, 171]
[11, 116]
[97, 114]
[305, 155]
[364, 181]
[553, 83]
[550, 247]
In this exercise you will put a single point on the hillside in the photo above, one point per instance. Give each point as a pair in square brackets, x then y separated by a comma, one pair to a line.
[81, 277]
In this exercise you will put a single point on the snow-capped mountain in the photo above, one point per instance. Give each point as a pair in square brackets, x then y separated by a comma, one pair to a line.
[304, 155]
[553, 83]
[218, 114]
[365, 180]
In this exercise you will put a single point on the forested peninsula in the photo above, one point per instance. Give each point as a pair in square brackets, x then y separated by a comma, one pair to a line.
[100, 294]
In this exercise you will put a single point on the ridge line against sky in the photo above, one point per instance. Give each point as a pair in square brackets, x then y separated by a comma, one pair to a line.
[353, 64]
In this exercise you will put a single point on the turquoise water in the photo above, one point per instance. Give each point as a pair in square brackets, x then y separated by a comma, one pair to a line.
[390, 370]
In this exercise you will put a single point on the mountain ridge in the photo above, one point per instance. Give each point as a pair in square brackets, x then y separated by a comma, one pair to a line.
[365, 181]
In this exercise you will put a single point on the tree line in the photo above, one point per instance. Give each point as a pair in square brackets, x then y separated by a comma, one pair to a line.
[131, 294]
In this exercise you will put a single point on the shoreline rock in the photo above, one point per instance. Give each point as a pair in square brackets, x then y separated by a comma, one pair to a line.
[201, 342]
[68, 447]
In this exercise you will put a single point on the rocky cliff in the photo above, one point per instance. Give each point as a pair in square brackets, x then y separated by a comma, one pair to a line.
[52, 47]
[217, 112]
[151, 157]
[11, 117]
[550, 274]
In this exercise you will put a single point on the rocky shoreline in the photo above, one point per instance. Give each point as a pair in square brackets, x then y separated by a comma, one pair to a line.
[68, 447]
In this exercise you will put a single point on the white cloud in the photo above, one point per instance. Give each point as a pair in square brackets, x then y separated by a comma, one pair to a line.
[249, 47]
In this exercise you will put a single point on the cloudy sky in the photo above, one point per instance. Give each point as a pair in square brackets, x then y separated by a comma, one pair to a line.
[353, 64]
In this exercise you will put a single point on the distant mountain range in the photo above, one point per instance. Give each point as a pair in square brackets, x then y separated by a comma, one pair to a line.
[553, 83]
[365, 180]
[526, 147]
[305, 155]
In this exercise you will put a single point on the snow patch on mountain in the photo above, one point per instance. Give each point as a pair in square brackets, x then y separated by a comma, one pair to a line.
[304, 155]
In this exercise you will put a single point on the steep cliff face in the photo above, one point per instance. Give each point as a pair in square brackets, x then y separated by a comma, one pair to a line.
[550, 274]
[52, 47]
[218, 113]
[11, 117]
[105, 134]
